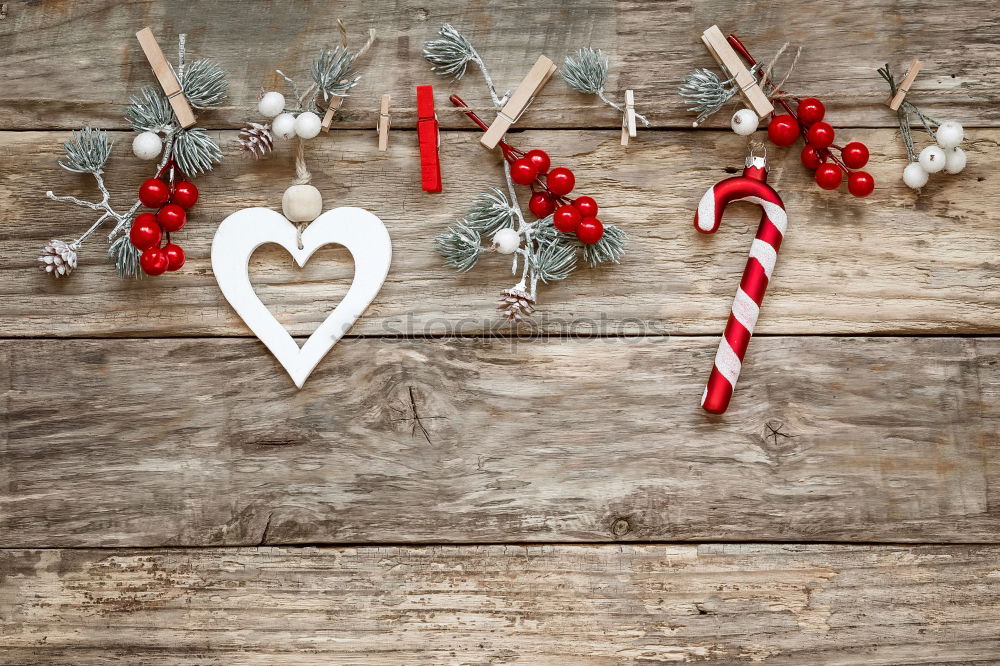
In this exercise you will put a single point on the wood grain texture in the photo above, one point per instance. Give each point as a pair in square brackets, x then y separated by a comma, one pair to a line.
[594, 605]
[96, 63]
[205, 442]
[163, 486]
[895, 262]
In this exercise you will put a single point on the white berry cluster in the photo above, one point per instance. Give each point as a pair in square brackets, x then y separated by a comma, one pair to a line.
[946, 156]
[284, 125]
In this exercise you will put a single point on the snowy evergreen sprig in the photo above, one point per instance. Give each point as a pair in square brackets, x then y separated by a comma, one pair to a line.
[460, 246]
[205, 85]
[149, 111]
[87, 151]
[706, 93]
[196, 152]
[451, 54]
[332, 72]
[587, 72]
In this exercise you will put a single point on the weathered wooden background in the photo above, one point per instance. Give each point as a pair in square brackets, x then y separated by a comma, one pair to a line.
[445, 491]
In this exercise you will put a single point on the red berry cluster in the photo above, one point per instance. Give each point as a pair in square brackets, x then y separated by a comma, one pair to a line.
[571, 216]
[807, 121]
[148, 230]
[548, 197]
[818, 153]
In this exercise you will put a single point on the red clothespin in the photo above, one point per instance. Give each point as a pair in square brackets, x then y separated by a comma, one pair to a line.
[429, 137]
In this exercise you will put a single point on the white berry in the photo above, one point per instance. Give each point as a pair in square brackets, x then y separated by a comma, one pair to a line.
[283, 126]
[271, 104]
[914, 175]
[954, 160]
[147, 145]
[949, 134]
[507, 241]
[931, 159]
[307, 125]
[744, 122]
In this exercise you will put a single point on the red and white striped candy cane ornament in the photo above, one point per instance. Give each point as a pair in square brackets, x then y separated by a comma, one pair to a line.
[751, 186]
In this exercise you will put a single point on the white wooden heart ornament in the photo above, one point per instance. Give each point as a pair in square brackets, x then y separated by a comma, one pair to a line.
[244, 231]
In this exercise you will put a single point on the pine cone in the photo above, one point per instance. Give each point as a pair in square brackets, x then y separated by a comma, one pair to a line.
[516, 304]
[59, 258]
[255, 139]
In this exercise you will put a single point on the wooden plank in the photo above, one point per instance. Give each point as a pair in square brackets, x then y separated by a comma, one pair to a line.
[70, 64]
[895, 262]
[199, 442]
[592, 605]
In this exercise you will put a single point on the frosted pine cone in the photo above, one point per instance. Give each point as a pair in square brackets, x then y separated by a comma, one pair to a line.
[59, 258]
[516, 304]
[255, 139]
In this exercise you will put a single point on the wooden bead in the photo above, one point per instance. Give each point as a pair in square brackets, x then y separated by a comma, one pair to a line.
[302, 203]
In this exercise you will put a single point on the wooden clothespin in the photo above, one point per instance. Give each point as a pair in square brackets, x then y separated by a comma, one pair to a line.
[628, 119]
[430, 140]
[165, 75]
[904, 86]
[335, 104]
[530, 86]
[384, 121]
[731, 62]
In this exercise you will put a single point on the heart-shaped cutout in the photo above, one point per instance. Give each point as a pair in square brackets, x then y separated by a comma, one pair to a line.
[362, 233]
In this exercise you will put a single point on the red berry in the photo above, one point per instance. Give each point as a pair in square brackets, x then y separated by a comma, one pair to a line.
[145, 232]
[860, 184]
[541, 204]
[560, 181]
[811, 157]
[523, 172]
[590, 230]
[171, 217]
[586, 206]
[855, 155]
[783, 130]
[540, 159]
[175, 256]
[153, 261]
[566, 219]
[185, 195]
[811, 110]
[153, 193]
[820, 135]
[829, 176]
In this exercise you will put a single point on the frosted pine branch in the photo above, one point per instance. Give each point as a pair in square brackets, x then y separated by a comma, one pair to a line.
[587, 72]
[87, 151]
[461, 246]
[196, 152]
[332, 73]
[608, 250]
[491, 213]
[205, 84]
[451, 54]
[554, 260]
[150, 111]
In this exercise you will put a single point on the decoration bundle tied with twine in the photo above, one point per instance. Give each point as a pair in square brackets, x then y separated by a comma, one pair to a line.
[205, 85]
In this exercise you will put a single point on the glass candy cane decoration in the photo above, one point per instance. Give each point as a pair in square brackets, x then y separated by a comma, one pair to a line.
[752, 187]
